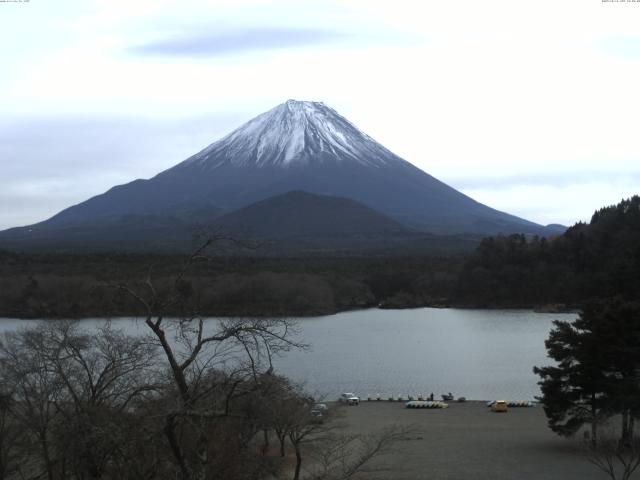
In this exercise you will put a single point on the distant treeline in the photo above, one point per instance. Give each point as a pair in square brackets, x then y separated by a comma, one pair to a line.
[599, 259]
[70, 286]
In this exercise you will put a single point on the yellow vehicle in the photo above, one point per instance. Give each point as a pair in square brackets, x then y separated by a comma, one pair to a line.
[499, 406]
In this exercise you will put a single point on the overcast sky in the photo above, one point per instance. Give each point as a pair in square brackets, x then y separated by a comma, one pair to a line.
[529, 107]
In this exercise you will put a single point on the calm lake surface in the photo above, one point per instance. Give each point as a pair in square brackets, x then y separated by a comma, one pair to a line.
[479, 354]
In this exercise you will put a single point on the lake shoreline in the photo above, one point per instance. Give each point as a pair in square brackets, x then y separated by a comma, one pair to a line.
[311, 313]
[476, 354]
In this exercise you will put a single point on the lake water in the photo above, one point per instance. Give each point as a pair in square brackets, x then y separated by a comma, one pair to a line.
[479, 354]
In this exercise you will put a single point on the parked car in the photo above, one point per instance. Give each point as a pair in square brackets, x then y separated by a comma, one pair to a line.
[320, 407]
[317, 416]
[349, 399]
[499, 406]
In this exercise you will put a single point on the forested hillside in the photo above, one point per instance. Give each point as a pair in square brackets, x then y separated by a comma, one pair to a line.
[594, 260]
[77, 285]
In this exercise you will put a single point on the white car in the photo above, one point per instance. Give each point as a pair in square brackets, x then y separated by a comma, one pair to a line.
[349, 399]
[321, 407]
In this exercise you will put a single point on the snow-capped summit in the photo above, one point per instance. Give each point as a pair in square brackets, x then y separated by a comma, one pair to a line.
[294, 132]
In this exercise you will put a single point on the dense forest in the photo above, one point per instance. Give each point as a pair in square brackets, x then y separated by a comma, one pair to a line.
[595, 260]
[598, 259]
[72, 286]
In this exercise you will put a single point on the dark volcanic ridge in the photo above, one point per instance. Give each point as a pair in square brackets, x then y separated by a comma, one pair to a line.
[299, 213]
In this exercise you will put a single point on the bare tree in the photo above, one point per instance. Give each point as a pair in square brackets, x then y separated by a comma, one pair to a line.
[102, 373]
[37, 390]
[617, 459]
[345, 456]
[193, 348]
[272, 402]
[100, 368]
[303, 428]
[72, 391]
[10, 436]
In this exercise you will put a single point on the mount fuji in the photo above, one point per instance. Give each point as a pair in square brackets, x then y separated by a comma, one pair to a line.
[296, 146]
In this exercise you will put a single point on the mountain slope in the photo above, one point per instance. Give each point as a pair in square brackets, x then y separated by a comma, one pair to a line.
[135, 232]
[295, 146]
[296, 223]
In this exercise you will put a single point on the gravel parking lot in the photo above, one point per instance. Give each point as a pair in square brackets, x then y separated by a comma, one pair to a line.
[468, 441]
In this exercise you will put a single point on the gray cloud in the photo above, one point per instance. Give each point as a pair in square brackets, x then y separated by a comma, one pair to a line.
[218, 43]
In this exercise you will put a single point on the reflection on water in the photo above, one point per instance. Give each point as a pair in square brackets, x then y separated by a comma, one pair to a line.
[479, 354]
